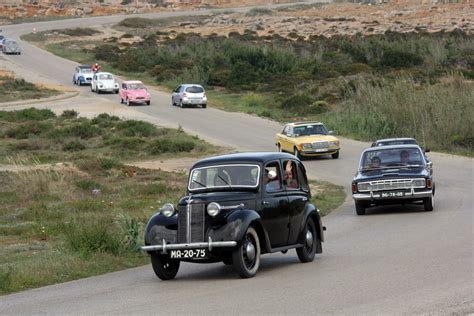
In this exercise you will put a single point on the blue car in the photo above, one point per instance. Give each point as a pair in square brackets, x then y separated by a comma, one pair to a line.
[82, 75]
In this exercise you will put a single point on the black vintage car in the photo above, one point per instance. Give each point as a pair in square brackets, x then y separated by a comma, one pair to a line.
[396, 174]
[237, 207]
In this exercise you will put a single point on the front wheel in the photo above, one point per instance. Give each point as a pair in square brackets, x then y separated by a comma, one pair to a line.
[428, 204]
[310, 239]
[335, 155]
[360, 208]
[148, 102]
[127, 101]
[204, 106]
[181, 105]
[164, 268]
[297, 154]
[246, 258]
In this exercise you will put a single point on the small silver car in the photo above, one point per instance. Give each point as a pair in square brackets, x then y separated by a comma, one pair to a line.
[11, 47]
[189, 94]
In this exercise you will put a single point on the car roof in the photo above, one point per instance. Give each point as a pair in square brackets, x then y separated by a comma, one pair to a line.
[304, 123]
[394, 139]
[248, 157]
[103, 73]
[391, 147]
[191, 85]
[84, 66]
[132, 81]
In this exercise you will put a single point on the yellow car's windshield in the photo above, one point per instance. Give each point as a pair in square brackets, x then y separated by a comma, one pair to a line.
[307, 130]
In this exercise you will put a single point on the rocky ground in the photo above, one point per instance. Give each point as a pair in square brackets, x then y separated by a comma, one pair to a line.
[14, 10]
[340, 19]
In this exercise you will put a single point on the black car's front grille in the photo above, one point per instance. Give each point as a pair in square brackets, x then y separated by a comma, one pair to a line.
[191, 222]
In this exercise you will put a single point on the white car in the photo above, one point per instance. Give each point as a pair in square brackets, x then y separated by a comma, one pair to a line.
[104, 82]
[82, 75]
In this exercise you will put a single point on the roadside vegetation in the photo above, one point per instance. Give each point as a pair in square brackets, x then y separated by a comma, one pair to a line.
[83, 213]
[71, 208]
[12, 89]
[412, 85]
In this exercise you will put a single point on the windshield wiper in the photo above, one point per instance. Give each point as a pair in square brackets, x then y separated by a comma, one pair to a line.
[204, 186]
[223, 180]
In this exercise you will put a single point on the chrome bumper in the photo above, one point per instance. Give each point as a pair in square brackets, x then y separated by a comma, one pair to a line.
[378, 196]
[315, 152]
[196, 245]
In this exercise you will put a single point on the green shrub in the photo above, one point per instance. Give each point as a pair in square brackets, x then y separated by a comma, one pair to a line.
[160, 146]
[399, 59]
[95, 165]
[78, 31]
[74, 145]
[136, 128]
[318, 107]
[137, 23]
[93, 236]
[299, 103]
[259, 11]
[83, 130]
[69, 114]
[88, 185]
[30, 114]
[126, 143]
[105, 120]
[26, 130]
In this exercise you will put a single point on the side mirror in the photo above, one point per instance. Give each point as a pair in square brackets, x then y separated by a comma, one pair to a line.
[331, 132]
[271, 175]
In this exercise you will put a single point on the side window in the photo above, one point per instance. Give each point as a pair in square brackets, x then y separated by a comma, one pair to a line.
[272, 177]
[290, 130]
[303, 179]
[285, 130]
[291, 174]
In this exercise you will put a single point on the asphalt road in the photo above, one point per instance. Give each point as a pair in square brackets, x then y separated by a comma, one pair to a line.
[396, 260]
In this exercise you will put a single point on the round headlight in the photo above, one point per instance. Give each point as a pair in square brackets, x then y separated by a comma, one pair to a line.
[167, 210]
[213, 209]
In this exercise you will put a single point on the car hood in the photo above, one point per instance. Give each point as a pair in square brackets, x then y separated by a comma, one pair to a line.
[138, 93]
[314, 138]
[392, 173]
[224, 198]
[108, 83]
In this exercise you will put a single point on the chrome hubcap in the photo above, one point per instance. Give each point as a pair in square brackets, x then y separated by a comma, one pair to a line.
[309, 239]
[250, 251]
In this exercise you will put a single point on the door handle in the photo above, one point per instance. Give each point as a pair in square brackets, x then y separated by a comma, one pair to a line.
[265, 203]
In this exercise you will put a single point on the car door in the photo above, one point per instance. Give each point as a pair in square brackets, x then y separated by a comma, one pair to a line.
[175, 94]
[274, 208]
[287, 141]
[123, 91]
[298, 195]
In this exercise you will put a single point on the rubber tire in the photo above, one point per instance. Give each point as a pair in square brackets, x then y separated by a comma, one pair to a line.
[279, 148]
[238, 260]
[116, 91]
[121, 101]
[305, 254]
[181, 105]
[127, 101]
[204, 106]
[164, 273]
[297, 154]
[335, 156]
[92, 90]
[360, 208]
[227, 261]
[428, 204]
[148, 102]
[172, 102]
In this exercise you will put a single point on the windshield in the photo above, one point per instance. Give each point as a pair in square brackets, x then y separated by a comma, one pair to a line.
[224, 176]
[135, 86]
[392, 157]
[307, 130]
[106, 77]
[397, 142]
[195, 89]
[85, 69]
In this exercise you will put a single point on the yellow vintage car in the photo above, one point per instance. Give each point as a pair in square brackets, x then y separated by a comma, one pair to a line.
[307, 139]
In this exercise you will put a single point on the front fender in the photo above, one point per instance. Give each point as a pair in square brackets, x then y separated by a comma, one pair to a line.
[160, 227]
[236, 225]
[311, 211]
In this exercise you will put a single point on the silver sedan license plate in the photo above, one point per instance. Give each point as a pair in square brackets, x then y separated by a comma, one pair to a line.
[392, 194]
[188, 254]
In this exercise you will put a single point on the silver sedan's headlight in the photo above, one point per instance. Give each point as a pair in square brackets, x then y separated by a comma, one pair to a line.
[167, 209]
[334, 144]
[306, 146]
[364, 186]
[213, 209]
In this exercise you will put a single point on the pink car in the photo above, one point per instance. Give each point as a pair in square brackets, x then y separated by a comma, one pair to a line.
[134, 92]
